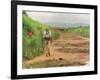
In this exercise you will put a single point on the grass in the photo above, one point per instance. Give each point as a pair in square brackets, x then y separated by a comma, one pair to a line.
[33, 45]
[82, 31]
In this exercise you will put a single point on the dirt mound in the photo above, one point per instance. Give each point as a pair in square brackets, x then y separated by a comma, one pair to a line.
[60, 62]
[68, 50]
[73, 50]
[71, 44]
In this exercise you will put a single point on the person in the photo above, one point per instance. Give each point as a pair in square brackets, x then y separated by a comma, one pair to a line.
[47, 41]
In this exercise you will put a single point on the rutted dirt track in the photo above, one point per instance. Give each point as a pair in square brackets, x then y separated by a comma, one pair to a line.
[69, 50]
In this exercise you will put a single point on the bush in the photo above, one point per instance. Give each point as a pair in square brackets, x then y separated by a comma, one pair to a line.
[55, 35]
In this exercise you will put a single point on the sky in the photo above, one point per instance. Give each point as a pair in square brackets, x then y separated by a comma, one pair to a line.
[70, 18]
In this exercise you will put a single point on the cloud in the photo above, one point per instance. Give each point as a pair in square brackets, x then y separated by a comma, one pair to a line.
[60, 17]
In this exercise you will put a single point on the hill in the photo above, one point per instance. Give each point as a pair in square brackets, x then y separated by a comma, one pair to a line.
[32, 37]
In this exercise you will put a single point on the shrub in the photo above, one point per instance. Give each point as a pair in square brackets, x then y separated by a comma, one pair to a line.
[55, 35]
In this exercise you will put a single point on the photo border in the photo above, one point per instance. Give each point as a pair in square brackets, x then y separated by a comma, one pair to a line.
[14, 4]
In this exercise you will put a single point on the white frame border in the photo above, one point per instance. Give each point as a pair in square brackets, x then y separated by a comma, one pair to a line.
[21, 71]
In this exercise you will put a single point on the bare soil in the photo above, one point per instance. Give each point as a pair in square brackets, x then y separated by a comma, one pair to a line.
[69, 50]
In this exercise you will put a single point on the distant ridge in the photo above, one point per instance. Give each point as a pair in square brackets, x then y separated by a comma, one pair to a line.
[66, 25]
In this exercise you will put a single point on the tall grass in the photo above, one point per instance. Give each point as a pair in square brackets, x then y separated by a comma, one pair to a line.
[33, 45]
[55, 35]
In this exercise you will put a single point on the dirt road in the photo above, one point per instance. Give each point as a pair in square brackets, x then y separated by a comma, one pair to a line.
[69, 50]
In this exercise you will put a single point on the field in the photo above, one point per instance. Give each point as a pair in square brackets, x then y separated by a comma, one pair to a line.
[69, 47]
[82, 31]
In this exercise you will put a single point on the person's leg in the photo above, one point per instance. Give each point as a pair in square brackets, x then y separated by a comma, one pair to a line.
[48, 48]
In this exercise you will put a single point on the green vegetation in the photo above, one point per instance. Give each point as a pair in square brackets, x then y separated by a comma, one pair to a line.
[55, 35]
[82, 31]
[32, 37]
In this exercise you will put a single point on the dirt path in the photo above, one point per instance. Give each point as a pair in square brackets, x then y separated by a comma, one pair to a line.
[69, 49]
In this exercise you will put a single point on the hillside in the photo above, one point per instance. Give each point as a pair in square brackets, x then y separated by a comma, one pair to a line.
[32, 37]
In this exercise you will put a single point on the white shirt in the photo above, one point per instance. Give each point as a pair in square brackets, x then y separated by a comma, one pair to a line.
[45, 33]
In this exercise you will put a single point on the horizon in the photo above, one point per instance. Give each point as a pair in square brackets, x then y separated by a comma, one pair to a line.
[64, 20]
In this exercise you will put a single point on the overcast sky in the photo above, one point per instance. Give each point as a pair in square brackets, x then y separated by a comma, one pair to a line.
[46, 17]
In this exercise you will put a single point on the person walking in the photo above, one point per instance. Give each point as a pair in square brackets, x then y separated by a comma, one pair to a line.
[47, 41]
